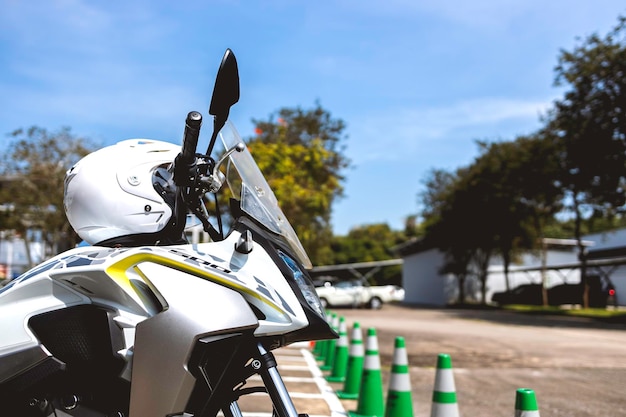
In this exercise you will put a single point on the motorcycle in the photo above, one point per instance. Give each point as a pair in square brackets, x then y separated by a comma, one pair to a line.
[141, 322]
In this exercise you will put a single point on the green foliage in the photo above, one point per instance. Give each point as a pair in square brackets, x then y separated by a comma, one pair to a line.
[366, 243]
[369, 243]
[33, 171]
[300, 154]
[496, 205]
[589, 125]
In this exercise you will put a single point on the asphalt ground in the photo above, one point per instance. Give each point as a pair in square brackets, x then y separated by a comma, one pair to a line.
[576, 366]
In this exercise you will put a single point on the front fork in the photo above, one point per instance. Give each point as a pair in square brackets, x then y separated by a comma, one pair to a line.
[283, 405]
[224, 385]
[281, 400]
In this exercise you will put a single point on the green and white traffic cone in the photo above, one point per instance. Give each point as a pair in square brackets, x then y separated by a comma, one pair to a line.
[352, 382]
[320, 351]
[316, 345]
[338, 373]
[332, 343]
[320, 355]
[371, 397]
[526, 403]
[399, 402]
[444, 393]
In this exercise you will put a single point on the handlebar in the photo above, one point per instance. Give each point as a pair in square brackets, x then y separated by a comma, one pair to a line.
[186, 159]
[191, 133]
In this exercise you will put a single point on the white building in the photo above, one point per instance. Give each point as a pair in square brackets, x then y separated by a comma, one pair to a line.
[425, 285]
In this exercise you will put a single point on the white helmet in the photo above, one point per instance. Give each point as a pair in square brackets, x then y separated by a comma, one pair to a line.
[122, 194]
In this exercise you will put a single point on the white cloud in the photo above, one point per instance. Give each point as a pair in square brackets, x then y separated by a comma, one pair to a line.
[73, 62]
[400, 134]
[487, 110]
[32, 22]
[498, 15]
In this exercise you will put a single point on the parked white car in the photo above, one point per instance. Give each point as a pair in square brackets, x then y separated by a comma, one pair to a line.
[355, 293]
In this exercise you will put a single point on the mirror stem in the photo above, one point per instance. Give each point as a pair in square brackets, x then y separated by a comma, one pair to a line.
[218, 124]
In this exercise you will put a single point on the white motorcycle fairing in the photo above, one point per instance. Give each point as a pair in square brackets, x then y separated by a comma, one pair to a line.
[148, 300]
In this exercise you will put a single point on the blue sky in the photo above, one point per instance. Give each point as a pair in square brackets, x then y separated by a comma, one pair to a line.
[416, 82]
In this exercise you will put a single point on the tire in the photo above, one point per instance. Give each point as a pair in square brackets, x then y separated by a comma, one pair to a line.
[375, 303]
[324, 303]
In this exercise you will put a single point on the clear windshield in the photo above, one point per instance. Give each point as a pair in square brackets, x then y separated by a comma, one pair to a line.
[257, 198]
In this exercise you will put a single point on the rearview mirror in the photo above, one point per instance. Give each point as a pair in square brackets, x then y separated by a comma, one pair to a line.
[226, 90]
[225, 94]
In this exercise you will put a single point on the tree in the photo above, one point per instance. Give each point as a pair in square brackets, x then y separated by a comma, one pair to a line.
[438, 184]
[445, 224]
[523, 193]
[493, 206]
[412, 227]
[300, 152]
[576, 164]
[589, 124]
[34, 170]
[368, 243]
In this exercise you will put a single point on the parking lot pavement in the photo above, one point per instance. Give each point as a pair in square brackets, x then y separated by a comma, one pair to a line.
[310, 392]
[576, 366]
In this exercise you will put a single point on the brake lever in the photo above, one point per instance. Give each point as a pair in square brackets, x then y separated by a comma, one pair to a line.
[215, 180]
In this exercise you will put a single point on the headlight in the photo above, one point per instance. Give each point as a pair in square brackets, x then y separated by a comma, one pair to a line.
[306, 288]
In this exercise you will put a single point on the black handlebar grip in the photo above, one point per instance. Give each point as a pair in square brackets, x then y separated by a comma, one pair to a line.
[190, 136]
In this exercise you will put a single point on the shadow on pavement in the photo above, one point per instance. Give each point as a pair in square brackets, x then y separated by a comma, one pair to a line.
[534, 318]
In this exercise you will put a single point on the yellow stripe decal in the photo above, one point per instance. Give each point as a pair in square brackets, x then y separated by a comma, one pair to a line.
[117, 272]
